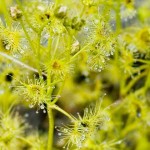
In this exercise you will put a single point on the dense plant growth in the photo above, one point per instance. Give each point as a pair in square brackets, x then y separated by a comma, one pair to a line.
[74, 74]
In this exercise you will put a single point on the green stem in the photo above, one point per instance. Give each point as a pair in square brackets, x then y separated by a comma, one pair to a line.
[56, 46]
[49, 47]
[26, 33]
[136, 71]
[51, 129]
[118, 28]
[62, 111]
[60, 91]
[56, 3]
[83, 10]
[26, 141]
[142, 61]
[147, 82]
[118, 17]
[74, 56]
[6, 13]
[125, 78]
[129, 86]
[25, 16]
[139, 91]
[39, 54]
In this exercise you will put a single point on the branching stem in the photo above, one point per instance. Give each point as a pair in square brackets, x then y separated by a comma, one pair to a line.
[62, 111]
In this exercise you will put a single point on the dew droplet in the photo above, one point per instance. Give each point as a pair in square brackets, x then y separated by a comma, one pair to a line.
[7, 47]
[26, 115]
[99, 70]
[111, 52]
[42, 106]
[59, 134]
[83, 137]
[31, 105]
[65, 130]
[1, 91]
[119, 142]
[86, 29]
[107, 118]
[103, 61]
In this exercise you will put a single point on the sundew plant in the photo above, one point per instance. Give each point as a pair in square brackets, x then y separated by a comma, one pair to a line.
[74, 74]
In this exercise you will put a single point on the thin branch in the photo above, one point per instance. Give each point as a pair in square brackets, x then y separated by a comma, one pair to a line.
[20, 63]
[74, 56]
[62, 111]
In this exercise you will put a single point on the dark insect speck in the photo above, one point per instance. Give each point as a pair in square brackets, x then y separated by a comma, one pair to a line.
[9, 77]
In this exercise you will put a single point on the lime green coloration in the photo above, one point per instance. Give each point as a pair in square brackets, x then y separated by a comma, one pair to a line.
[58, 58]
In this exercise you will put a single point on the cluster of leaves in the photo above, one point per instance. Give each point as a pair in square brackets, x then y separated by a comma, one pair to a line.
[15, 132]
[79, 49]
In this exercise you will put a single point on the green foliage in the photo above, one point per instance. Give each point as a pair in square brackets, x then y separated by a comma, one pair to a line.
[62, 56]
[84, 129]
